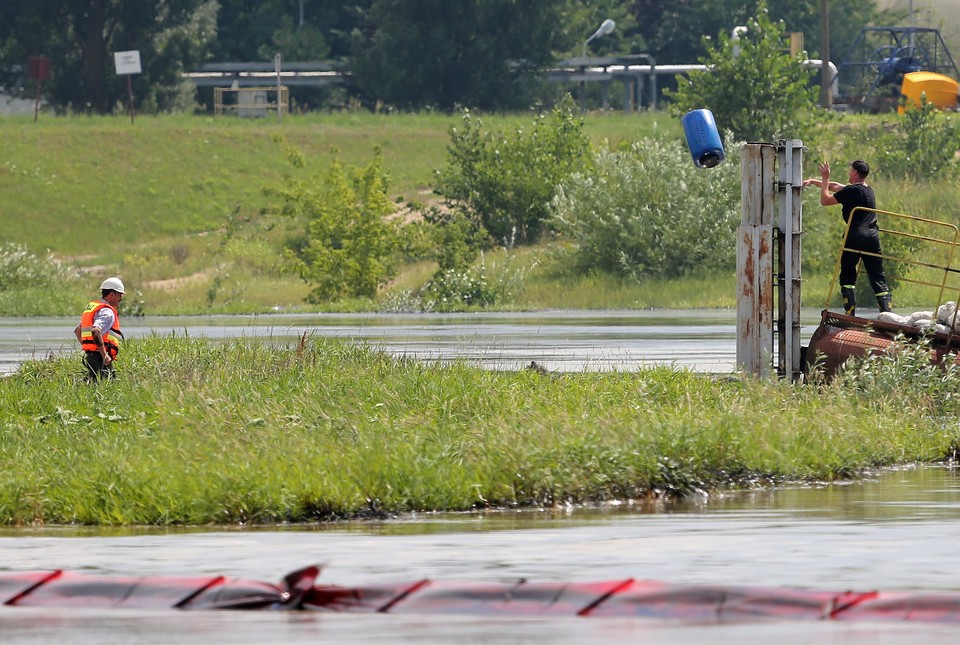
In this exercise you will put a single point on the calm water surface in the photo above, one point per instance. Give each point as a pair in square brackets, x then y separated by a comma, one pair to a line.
[896, 530]
[701, 340]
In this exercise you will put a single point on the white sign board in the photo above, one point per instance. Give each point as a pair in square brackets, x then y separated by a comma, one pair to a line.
[127, 62]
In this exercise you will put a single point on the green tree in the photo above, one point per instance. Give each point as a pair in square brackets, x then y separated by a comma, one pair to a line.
[81, 36]
[300, 30]
[675, 30]
[348, 243]
[582, 17]
[847, 19]
[761, 94]
[680, 31]
[923, 146]
[442, 54]
[303, 43]
[504, 181]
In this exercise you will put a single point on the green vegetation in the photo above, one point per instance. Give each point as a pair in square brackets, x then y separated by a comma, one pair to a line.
[346, 247]
[924, 146]
[197, 432]
[754, 88]
[399, 54]
[504, 181]
[186, 210]
[641, 213]
[197, 215]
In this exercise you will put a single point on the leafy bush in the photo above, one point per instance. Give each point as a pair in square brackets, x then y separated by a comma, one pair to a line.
[905, 370]
[922, 147]
[453, 290]
[761, 94]
[31, 285]
[348, 242]
[456, 242]
[480, 285]
[505, 181]
[415, 241]
[648, 212]
[20, 268]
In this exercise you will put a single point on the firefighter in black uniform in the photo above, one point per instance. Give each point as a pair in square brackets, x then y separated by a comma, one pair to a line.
[864, 238]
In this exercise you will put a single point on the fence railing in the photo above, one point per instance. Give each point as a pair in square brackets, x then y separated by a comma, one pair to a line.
[934, 245]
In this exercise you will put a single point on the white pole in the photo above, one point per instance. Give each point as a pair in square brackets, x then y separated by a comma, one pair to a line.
[790, 162]
[276, 64]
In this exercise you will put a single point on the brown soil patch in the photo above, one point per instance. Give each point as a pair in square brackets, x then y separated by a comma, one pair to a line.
[173, 284]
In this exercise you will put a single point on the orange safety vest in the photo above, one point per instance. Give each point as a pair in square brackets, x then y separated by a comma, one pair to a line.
[111, 338]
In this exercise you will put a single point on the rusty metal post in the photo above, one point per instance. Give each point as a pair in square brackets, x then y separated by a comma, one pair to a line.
[789, 231]
[755, 256]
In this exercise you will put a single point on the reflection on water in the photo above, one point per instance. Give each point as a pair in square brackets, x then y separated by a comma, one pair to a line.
[892, 531]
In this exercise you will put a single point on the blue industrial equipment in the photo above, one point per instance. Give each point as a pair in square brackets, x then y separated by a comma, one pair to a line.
[872, 70]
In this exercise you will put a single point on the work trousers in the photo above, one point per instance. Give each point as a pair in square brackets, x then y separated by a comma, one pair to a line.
[874, 265]
[96, 370]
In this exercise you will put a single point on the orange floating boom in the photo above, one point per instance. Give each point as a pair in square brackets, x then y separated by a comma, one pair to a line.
[644, 599]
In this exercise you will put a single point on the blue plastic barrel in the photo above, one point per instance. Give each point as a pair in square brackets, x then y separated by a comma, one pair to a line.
[700, 128]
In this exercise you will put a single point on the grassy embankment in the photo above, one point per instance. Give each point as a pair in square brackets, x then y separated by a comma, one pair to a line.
[197, 432]
[153, 201]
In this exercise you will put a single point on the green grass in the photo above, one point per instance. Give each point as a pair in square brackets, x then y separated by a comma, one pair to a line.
[197, 432]
[151, 201]
[101, 186]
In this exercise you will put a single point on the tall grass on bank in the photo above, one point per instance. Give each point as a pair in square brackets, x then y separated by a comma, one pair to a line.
[199, 432]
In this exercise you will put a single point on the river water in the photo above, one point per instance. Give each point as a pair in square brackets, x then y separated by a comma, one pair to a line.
[700, 340]
[893, 530]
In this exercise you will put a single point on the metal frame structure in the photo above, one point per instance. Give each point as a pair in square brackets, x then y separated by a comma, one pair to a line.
[631, 70]
[280, 104]
[257, 74]
[880, 56]
[949, 241]
[769, 259]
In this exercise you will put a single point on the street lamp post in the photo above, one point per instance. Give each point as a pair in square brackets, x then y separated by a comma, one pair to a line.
[826, 77]
[606, 27]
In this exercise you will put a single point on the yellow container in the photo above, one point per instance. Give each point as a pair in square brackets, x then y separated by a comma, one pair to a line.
[941, 90]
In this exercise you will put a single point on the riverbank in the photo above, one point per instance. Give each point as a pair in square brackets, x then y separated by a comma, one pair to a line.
[197, 432]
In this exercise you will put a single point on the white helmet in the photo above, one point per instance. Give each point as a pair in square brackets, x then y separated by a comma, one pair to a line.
[113, 284]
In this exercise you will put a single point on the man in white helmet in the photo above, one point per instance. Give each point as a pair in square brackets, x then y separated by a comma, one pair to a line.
[99, 331]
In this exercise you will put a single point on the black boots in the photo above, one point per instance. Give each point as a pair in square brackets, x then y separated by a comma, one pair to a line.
[849, 301]
[885, 302]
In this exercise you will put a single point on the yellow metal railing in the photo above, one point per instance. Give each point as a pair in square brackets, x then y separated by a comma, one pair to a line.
[942, 236]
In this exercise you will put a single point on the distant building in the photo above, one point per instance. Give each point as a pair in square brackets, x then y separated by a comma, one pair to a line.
[12, 105]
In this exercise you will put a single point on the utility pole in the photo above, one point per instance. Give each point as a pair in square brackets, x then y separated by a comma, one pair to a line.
[826, 97]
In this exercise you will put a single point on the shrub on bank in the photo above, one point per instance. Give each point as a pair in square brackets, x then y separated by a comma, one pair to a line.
[648, 212]
[34, 285]
[503, 181]
[348, 243]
